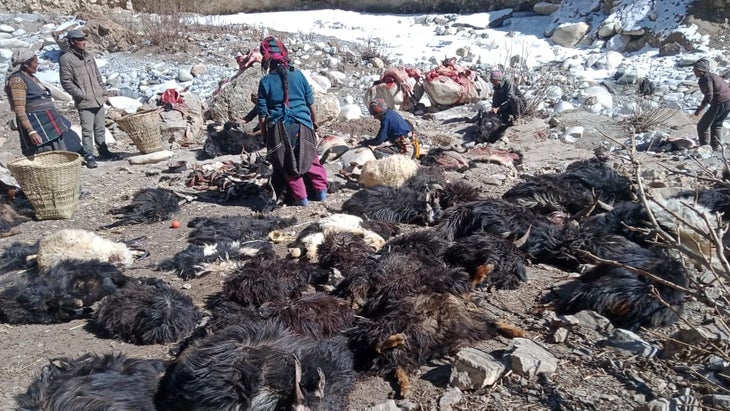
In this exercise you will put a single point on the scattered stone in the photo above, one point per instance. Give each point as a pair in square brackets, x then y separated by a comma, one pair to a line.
[717, 401]
[560, 335]
[630, 343]
[529, 359]
[151, 158]
[474, 369]
[451, 397]
[389, 405]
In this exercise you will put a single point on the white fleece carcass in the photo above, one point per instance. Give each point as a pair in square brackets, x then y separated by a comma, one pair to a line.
[81, 245]
[336, 223]
[388, 171]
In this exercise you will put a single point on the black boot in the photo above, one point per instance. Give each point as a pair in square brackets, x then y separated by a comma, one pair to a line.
[105, 154]
[90, 162]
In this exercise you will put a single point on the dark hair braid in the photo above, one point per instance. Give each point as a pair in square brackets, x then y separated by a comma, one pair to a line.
[281, 69]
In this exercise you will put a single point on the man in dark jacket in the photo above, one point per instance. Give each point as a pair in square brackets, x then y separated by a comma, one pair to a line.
[717, 95]
[507, 100]
[81, 78]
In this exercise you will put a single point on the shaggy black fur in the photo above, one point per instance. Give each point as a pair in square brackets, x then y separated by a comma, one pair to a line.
[271, 280]
[14, 257]
[458, 192]
[148, 205]
[63, 293]
[489, 127]
[474, 251]
[623, 296]
[494, 216]
[395, 205]
[342, 250]
[421, 242]
[210, 230]
[316, 315]
[252, 367]
[573, 191]
[190, 262]
[229, 140]
[94, 383]
[417, 329]
[147, 311]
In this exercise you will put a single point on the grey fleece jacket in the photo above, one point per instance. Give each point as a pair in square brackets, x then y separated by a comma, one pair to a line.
[81, 78]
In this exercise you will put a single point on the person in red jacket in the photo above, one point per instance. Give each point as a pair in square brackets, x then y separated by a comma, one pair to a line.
[717, 96]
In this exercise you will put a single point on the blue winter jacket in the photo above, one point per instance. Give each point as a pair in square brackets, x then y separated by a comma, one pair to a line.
[392, 126]
[271, 98]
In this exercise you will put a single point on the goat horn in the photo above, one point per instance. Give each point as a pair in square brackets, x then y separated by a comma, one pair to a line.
[298, 395]
[522, 240]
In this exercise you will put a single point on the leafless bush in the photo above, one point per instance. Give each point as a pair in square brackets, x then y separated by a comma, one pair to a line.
[645, 117]
[372, 49]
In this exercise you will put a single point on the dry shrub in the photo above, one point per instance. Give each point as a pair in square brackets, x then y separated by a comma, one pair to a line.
[645, 117]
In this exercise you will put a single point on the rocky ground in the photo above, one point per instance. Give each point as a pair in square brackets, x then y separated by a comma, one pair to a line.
[584, 369]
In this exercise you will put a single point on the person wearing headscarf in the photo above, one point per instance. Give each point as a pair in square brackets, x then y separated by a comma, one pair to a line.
[394, 135]
[40, 125]
[717, 96]
[80, 77]
[285, 103]
[507, 100]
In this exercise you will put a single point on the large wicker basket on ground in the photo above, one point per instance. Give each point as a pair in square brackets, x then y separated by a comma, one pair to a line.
[144, 130]
[51, 181]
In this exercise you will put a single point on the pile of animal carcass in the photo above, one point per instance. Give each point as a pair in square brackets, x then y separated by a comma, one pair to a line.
[293, 331]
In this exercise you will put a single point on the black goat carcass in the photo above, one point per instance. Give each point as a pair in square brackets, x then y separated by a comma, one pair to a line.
[482, 251]
[16, 257]
[230, 139]
[489, 127]
[198, 260]
[268, 280]
[576, 190]
[9, 219]
[148, 205]
[343, 250]
[93, 383]
[210, 230]
[626, 297]
[418, 328]
[259, 366]
[396, 204]
[315, 315]
[63, 293]
[146, 311]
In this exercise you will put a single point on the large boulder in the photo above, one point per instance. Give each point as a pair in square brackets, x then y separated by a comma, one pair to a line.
[569, 34]
[233, 100]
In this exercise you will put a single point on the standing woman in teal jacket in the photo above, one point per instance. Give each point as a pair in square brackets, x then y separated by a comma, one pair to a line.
[287, 117]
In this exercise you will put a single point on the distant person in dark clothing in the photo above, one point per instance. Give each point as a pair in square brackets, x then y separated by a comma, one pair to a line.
[80, 77]
[507, 100]
[394, 135]
[717, 95]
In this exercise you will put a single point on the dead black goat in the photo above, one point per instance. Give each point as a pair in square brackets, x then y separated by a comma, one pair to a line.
[228, 139]
[416, 329]
[266, 280]
[93, 383]
[222, 257]
[396, 204]
[483, 251]
[259, 366]
[624, 296]
[210, 230]
[146, 311]
[63, 293]
[149, 205]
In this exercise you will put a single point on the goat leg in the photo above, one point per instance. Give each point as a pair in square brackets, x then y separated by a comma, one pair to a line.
[404, 383]
[481, 273]
[393, 341]
[508, 330]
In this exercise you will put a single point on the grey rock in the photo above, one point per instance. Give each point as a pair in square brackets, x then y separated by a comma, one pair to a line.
[717, 401]
[560, 335]
[386, 406]
[451, 397]
[528, 358]
[474, 369]
[631, 343]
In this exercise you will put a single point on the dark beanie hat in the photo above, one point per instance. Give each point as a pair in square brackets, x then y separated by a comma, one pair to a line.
[702, 65]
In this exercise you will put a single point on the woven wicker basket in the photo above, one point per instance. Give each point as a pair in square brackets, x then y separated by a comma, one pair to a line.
[51, 182]
[144, 130]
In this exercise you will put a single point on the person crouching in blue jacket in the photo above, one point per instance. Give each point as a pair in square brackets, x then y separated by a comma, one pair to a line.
[394, 135]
